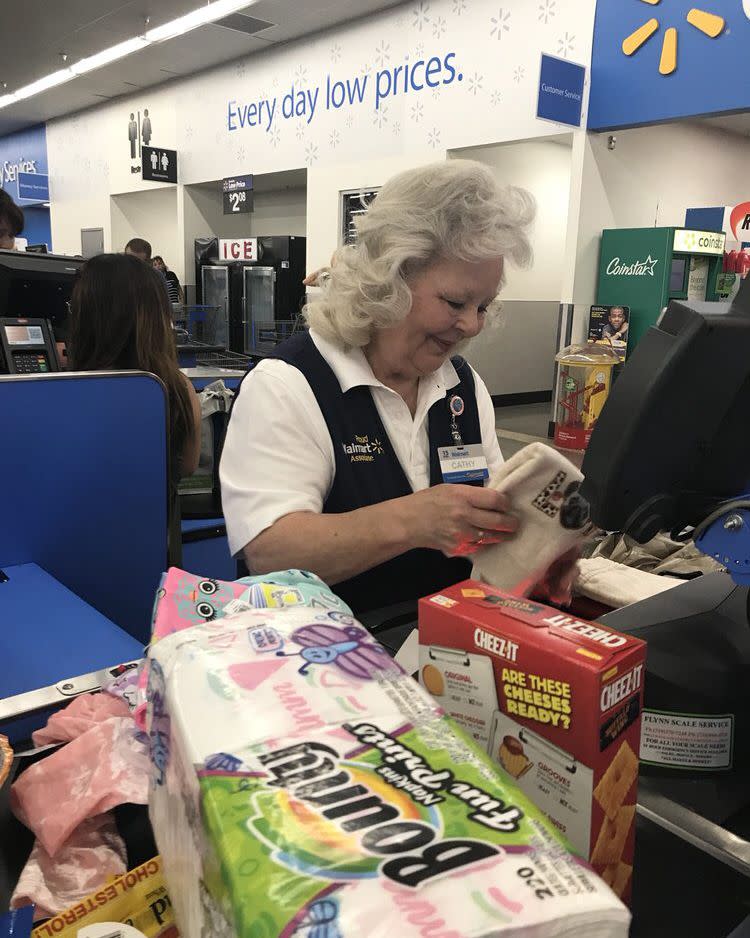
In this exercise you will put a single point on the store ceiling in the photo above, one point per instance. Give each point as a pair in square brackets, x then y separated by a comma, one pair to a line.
[36, 32]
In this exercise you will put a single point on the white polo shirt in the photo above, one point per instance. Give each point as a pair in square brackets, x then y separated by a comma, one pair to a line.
[278, 456]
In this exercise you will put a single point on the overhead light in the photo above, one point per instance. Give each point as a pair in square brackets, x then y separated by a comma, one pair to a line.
[183, 24]
[44, 84]
[106, 56]
[206, 14]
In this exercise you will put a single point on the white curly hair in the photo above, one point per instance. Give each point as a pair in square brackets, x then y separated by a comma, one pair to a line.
[454, 209]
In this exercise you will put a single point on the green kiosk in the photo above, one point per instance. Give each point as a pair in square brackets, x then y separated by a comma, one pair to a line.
[644, 268]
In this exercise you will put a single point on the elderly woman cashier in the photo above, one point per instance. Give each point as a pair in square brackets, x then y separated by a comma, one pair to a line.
[332, 459]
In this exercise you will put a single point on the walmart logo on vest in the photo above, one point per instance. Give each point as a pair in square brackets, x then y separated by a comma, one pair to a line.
[363, 450]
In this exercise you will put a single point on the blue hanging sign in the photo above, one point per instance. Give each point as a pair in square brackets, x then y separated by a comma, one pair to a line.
[560, 91]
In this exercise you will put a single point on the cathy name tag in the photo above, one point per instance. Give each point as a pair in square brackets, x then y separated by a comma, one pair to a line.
[463, 463]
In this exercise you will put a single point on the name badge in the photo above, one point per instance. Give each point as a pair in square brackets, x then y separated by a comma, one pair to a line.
[463, 463]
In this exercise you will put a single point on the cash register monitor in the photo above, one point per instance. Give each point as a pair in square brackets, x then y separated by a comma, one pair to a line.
[672, 440]
[37, 286]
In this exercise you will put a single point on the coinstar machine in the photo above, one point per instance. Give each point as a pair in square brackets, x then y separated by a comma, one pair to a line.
[645, 268]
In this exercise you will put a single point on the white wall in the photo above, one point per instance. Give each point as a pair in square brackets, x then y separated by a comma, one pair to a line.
[485, 94]
[542, 167]
[150, 215]
[651, 177]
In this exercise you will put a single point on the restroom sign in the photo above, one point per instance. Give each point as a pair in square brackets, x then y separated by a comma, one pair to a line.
[238, 249]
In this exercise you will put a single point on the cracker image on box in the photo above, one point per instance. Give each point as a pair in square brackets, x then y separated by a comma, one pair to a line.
[612, 837]
[512, 757]
[433, 680]
[615, 784]
[617, 876]
[465, 686]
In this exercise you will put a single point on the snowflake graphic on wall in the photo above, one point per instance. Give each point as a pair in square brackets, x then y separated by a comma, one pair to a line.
[565, 45]
[500, 23]
[433, 138]
[381, 117]
[419, 50]
[189, 132]
[495, 98]
[459, 7]
[438, 27]
[421, 15]
[240, 155]
[335, 53]
[547, 10]
[300, 76]
[365, 70]
[300, 130]
[275, 136]
[436, 93]
[349, 121]
[475, 83]
[518, 74]
[334, 139]
[396, 128]
[275, 82]
[240, 70]
[311, 154]
[382, 53]
[417, 112]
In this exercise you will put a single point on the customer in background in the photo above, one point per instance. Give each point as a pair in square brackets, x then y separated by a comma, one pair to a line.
[173, 284]
[11, 222]
[139, 248]
[120, 320]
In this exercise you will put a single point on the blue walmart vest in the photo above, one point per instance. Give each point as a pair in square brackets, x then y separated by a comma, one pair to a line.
[367, 471]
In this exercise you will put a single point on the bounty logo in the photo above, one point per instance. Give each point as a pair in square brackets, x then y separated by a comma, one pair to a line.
[645, 268]
[363, 449]
[710, 24]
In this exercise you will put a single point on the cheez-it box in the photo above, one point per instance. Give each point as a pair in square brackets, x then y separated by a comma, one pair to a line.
[555, 700]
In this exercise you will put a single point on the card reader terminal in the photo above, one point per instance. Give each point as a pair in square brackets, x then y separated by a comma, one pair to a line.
[26, 347]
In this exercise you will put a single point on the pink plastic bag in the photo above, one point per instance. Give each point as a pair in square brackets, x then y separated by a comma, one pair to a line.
[105, 766]
[94, 853]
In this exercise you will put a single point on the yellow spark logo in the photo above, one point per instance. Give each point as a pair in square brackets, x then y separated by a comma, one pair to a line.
[708, 23]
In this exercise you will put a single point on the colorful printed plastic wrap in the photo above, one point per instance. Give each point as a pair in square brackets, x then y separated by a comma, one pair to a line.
[184, 600]
[304, 786]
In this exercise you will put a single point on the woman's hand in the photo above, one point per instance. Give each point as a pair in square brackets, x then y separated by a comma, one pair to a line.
[458, 519]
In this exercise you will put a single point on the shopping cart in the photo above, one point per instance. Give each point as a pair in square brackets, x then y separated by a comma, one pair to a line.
[198, 323]
[265, 336]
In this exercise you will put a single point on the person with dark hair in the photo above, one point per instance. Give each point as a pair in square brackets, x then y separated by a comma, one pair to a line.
[139, 248]
[120, 320]
[11, 222]
[173, 284]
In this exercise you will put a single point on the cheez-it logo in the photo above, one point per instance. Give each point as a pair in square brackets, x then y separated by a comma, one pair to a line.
[710, 24]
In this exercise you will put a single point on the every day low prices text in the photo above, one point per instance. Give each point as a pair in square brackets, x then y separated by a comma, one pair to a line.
[304, 101]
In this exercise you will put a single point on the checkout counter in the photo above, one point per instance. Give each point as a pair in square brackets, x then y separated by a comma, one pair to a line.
[92, 591]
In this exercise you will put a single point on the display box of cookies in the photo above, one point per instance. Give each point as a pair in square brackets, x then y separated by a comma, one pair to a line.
[555, 700]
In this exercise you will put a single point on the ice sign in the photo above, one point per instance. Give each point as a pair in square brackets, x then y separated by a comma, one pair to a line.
[265, 639]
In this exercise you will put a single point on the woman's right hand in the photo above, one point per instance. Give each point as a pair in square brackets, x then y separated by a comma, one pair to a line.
[458, 519]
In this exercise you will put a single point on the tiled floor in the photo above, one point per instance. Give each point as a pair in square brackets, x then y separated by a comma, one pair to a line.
[527, 423]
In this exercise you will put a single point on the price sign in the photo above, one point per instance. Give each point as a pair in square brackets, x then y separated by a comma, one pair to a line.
[238, 195]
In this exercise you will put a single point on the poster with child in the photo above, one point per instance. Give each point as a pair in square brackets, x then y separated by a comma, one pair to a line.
[609, 325]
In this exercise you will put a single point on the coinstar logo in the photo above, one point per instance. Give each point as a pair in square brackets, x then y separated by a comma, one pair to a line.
[645, 268]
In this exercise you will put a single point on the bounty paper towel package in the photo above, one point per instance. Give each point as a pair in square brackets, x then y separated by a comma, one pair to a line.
[564, 709]
[304, 786]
